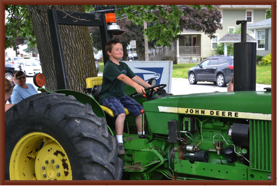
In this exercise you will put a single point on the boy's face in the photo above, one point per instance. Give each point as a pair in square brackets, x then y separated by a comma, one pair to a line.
[117, 51]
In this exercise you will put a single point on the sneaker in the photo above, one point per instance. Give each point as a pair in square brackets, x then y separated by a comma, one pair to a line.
[120, 149]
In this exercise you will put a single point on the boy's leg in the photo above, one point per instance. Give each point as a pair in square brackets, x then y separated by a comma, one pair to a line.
[119, 126]
[134, 109]
[139, 123]
[119, 112]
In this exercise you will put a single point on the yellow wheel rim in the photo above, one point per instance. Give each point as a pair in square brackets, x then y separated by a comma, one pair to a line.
[30, 161]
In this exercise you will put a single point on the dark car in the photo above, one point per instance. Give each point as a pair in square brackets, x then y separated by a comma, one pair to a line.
[10, 69]
[217, 69]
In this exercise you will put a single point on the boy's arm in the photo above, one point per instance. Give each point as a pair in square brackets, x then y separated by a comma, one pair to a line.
[130, 82]
[140, 81]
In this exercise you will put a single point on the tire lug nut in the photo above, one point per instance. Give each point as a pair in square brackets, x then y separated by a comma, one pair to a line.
[44, 175]
[43, 168]
[58, 174]
[57, 166]
[46, 161]
[52, 161]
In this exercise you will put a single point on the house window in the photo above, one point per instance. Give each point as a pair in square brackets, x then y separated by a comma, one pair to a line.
[261, 39]
[187, 43]
[249, 16]
[231, 30]
[214, 42]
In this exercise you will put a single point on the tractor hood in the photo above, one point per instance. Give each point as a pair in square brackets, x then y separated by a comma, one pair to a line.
[219, 104]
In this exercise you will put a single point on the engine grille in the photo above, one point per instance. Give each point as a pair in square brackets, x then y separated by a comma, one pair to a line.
[260, 145]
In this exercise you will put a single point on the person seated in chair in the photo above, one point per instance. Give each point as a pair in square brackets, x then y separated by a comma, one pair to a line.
[116, 75]
[22, 89]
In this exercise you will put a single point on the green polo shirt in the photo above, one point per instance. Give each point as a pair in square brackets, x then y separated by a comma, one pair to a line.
[111, 86]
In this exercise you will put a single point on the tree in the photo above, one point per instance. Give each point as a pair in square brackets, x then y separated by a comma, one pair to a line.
[169, 20]
[76, 46]
[30, 48]
[165, 22]
[131, 32]
[268, 13]
[31, 22]
[18, 25]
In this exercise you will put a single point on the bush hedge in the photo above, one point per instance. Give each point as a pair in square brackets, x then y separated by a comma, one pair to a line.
[266, 60]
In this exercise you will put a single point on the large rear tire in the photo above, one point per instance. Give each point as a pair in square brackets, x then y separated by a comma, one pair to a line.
[55, 137]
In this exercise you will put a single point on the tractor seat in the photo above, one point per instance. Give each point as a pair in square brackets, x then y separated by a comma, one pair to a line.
[110, 112]
[93, 86]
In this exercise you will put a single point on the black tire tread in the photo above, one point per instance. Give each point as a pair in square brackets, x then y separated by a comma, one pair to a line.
[88, 134]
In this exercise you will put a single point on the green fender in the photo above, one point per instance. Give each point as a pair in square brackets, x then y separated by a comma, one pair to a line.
[82, 98]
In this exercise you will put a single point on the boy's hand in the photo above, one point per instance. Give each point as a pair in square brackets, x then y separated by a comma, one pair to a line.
[155, 89]
[139, 89]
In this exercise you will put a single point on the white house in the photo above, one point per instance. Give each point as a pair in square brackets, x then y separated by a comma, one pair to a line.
[195, 44]
[262, 34]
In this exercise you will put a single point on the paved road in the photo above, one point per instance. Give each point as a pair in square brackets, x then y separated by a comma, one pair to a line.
[181, 86]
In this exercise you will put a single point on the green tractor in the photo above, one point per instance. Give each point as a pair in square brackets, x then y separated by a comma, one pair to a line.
[68, 135]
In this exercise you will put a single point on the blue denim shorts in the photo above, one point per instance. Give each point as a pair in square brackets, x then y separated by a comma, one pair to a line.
[117, 105]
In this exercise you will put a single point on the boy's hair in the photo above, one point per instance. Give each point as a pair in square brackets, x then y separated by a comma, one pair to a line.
[110, 44]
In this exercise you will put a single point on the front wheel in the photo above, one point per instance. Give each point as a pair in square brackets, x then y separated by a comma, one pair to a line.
[192, 78]
[220, 80]
[55, 137]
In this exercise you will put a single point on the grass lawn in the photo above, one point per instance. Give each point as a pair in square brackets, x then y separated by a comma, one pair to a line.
[181, 71]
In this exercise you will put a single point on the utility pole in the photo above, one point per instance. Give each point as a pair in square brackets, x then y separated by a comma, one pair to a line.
[145, 42]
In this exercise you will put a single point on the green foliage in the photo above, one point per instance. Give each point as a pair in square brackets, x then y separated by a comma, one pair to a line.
[18, 24]
[220, 50]
[266, 60]
[268, 13]
[169, 20]
[30, 48]
[238, 30]
[258, 58]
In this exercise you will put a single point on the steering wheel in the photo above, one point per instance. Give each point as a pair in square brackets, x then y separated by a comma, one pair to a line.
[149, 95]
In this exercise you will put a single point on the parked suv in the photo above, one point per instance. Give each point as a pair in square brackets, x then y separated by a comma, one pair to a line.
[217, 69]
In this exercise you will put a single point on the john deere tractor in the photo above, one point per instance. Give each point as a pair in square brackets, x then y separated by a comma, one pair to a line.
[68, 135]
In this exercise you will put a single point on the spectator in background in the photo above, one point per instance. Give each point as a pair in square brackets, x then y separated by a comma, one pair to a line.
[12, 80]
[8, 92]
[230, 87]
[22, 89]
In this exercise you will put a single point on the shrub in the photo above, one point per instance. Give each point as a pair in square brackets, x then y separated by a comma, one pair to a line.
[258, 59]
[266, 60]
[220, 51]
